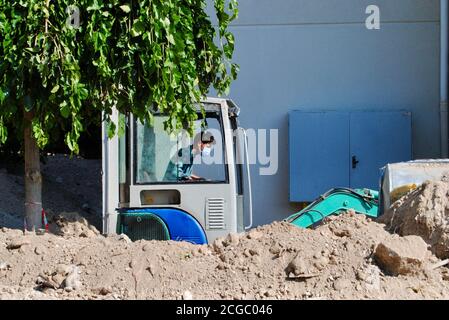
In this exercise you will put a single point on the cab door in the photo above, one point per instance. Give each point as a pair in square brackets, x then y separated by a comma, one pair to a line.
[154, 153]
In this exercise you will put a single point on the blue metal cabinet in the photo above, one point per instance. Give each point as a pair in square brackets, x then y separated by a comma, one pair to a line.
[343, 149]
[319, 153]
[377, 138]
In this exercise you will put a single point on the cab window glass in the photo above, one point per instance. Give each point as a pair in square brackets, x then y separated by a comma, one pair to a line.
[179, 158]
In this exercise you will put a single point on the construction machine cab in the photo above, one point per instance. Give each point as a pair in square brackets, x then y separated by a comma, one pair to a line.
[147, 192]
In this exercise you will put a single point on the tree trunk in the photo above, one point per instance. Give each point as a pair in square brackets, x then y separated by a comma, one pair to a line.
[33, 178]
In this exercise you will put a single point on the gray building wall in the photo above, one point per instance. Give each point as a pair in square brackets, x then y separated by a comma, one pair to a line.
[318, 55]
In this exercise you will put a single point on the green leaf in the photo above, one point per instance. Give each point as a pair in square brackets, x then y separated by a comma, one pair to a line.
[3, 132]
[126, 8]
[165, 22]
[40, 135]
[95, 6]
[235, 69]
[171, 39]
[70, 141]
[55, 89]
[138, 28]
[106, 63]
[110, 125]
[121, 125]
[64, 109]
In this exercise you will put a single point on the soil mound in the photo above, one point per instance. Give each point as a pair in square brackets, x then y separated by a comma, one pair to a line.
[425, 213]
[338, 260]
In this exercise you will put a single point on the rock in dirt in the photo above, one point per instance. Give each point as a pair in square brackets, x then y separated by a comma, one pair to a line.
[187, 295]
[63, 269]
[370, 275]
[232, 239]
[321, 262]
[103, 291]
[87, 234]
[123, 237]
[217, 245]
[275, 249]
[17, 243]
[58, 279]
[341, 232]
[399, 256]
[39, 250]
[72, 224]
[254, 234]
[297, 266]
[342, 284]
[445, 275]
[425, 213]
[73, 279]
[46, 282]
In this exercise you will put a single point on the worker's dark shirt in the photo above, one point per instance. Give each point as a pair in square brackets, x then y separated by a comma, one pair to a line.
[180, 166]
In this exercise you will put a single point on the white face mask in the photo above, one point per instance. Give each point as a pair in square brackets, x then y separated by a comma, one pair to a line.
[206, 151]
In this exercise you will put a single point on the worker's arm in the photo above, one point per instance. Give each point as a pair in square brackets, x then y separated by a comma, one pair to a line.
[182, 175]
[185, 171]
[178, 169]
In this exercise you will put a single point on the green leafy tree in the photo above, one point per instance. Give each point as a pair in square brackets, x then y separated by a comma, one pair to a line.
[138, 56]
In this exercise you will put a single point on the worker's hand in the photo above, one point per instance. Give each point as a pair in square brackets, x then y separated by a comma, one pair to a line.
[197, 178]
[194, 178]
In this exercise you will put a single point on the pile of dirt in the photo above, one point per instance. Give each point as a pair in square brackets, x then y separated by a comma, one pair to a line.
[71, 224]
[349, 257]
[423, 212]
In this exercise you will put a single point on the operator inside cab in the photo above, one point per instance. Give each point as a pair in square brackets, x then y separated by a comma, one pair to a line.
[180, 166]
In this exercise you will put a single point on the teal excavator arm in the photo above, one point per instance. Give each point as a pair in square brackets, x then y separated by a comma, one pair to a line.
[335, 202]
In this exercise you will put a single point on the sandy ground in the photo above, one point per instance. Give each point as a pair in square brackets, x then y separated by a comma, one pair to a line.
[423, 212]
[348, 257]
[277, 261]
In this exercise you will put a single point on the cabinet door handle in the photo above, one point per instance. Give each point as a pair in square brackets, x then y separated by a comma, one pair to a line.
[354, 162]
